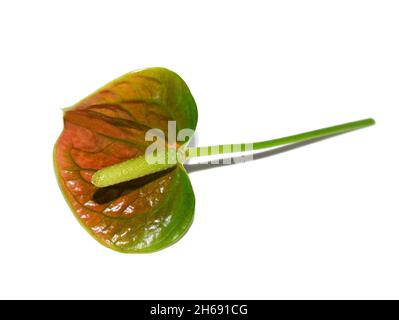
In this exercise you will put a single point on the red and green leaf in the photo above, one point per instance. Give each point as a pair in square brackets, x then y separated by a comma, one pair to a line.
[108, 127]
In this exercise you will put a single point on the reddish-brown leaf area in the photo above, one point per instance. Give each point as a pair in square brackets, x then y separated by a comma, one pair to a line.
[109, 127]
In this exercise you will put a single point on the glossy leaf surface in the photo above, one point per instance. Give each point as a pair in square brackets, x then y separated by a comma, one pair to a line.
[108, 127]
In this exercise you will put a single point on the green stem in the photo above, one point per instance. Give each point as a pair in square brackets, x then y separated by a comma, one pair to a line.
[231, 148]
[139, 167]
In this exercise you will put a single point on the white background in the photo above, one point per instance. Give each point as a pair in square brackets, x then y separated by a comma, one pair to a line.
[321, 221]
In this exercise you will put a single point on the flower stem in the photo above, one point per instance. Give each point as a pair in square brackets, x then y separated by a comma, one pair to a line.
[241, 147]
[139, 166]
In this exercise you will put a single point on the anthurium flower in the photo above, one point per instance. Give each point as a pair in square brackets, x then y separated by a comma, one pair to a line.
[124, 201]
